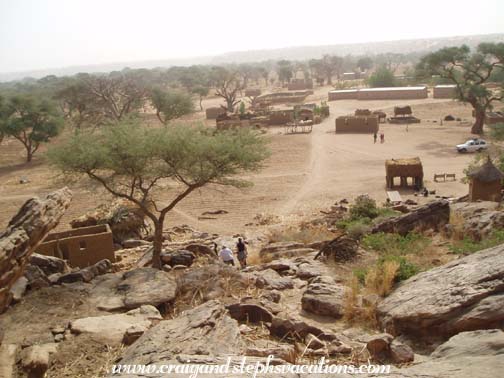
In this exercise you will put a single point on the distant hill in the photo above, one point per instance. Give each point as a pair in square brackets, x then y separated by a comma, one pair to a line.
[291, 53]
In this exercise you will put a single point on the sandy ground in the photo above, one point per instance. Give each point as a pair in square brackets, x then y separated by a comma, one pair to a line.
[306, 172]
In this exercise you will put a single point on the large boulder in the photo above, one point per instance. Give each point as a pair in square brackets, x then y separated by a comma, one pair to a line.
[284, 249]
[205, 330]
[24, 233]
[464, 295]
[86, 274]
[111, 329]
[49, 264]
[180, 257]
[434, 215]
[270, 279]
[476, 219]
[324, 297]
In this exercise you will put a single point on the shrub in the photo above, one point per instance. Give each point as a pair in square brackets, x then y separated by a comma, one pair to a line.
[467, 245]
[380, 278]
[364, 207]
[382, 77]
[357, 229]
[395, 244]
[406, 269]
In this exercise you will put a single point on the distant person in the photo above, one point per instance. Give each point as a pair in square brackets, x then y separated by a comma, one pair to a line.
[382, 138]
[375, 137]
[226, 255]
[242, 252]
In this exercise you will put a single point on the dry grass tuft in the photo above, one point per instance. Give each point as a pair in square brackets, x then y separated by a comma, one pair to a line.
[380, 278]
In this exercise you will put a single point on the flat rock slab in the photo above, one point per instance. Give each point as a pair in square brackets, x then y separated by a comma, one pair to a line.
[205, 330]
[141, 286]
[110, 329]
[464, 295]
[324, 298]
[270, 279]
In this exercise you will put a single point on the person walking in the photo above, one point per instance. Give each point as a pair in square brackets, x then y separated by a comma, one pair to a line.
[375, 137]
[242, 253]
[382, 138]
[226, 256]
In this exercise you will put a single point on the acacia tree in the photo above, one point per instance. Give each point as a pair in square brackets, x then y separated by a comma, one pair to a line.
[80, 107]
[202, 92]
[30, 122]
[116, 96]
[170, 105]
[132, 162]
[469, 72]
[228, 86]
[284, 71]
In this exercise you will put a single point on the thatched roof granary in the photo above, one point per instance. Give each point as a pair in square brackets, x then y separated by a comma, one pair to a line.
[404, 169]
[485, 183]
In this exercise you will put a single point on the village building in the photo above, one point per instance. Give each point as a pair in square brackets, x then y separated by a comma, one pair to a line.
[485, 183]
[444, 91]
[409, 171]
[80, 247]
[357, 124]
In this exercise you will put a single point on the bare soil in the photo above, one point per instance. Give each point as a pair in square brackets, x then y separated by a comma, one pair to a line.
[305, 173]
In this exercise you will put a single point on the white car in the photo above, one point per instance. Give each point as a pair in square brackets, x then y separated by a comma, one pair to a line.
[473, 145]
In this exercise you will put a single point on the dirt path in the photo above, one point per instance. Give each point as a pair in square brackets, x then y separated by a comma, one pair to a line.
[306, 172]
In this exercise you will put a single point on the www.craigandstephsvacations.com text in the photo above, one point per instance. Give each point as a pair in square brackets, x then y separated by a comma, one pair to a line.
[247, 369]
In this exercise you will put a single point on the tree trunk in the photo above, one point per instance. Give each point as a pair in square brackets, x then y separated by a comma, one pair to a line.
[230, 107]
[477, 128]
[29, 155]
[24, 233]
[157, 244]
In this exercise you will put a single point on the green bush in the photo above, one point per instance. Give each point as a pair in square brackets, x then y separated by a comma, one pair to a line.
[382, 77]
[467, 245]
[395, 244]
[364, 207]
[406, 268]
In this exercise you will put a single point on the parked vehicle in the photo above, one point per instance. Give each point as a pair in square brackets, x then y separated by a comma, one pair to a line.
[473, 145]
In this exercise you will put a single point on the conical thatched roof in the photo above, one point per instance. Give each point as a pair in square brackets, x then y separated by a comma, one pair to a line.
[488, 172]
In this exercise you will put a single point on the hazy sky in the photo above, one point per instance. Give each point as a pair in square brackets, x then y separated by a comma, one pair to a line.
[38, 34]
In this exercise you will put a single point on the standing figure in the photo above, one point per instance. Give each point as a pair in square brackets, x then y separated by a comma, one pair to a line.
[382, 138]
[226, 255]
[242, 253]
[375, 137]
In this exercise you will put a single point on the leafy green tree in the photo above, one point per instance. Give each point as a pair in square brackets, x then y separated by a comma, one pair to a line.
[469, 72]
[382, 77]
[133, 162]
[30, 122]
[170, 105]
[202, 92]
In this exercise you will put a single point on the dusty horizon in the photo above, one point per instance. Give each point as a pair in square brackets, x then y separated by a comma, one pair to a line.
[123, 32]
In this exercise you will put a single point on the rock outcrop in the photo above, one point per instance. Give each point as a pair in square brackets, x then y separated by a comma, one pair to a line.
[433, 215]
[464, 295]
[141, 286]
[324, 297]
[24, 233]
[111, 329]
[203, 332]
[475, 219]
